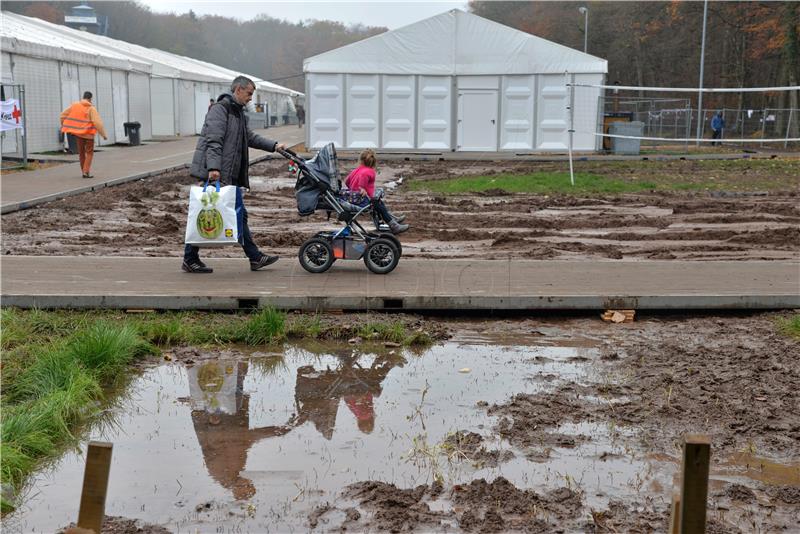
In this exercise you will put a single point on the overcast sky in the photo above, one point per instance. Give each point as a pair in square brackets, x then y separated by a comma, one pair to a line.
[391, 14]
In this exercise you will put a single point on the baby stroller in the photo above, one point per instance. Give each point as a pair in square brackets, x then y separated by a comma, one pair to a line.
[317, 188]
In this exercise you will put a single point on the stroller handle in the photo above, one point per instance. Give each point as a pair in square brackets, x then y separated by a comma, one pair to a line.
[288, 153]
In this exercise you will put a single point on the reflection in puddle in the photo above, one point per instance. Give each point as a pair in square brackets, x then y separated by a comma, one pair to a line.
[255, 442]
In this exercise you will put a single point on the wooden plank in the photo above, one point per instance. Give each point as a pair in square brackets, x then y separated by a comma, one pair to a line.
[95, 485]
[694, 483]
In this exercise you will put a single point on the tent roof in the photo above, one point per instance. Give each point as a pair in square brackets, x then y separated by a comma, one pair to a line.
[455, 43]
[150, 60]
[25, 36]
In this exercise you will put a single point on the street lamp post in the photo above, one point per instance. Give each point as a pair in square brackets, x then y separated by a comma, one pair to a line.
[585, 11]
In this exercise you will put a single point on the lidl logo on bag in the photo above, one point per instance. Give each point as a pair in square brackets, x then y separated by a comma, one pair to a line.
[228, 232]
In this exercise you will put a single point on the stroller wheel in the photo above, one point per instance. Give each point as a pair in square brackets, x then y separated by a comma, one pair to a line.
[316, 255]
[381, 256]
[394, 240]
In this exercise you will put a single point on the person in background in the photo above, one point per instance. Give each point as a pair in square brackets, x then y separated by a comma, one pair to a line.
[222, 154]
[82, 121]
[210, 103]
[717, 125]
[301, 115]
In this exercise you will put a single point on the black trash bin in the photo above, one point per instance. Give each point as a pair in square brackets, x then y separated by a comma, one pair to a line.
[273, 120]
[132, 131]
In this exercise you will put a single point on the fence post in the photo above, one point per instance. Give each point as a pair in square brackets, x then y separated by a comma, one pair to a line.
[763, 126]
[788, 126]
[95, 485]
[24, 126]
[694, 483]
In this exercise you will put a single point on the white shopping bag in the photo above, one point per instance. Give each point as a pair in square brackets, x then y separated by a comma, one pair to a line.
[214, 215]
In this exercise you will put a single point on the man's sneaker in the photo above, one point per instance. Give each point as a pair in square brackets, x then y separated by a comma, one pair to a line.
[196, 266]
[263, 262]
[87, 175]
[400, 218]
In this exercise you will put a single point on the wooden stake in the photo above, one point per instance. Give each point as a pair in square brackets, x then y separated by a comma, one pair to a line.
[694, 483]
[675, 511]
[95, 485]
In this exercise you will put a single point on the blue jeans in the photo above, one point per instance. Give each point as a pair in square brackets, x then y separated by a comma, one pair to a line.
[192, 253]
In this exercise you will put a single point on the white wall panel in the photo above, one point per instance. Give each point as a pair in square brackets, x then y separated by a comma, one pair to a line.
[551, 112]
[478, 82]
[435, 114]
[139, 98]
[104, 102]
[362, 110]
[5, 68]
[88, 81]
[42, 98]
[326, 119]
[587, 101]
[398, 111]
[70, 85]
[201, 102]
[516, 112]
[119, 93]
[185, 103]
[162, 106]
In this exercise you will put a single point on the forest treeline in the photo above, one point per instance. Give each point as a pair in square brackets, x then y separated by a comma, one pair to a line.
[748, 44]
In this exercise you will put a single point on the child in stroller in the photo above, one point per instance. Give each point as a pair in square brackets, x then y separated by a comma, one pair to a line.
[361, 189]
[318, 188]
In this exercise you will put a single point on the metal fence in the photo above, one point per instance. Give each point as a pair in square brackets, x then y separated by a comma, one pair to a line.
[676, 119]
[14, 143]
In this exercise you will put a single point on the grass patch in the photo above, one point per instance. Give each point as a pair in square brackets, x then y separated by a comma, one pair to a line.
[262, 328]
[537, 183]
[790, 326]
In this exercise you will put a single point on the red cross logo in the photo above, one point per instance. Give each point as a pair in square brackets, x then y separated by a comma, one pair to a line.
[16, 114]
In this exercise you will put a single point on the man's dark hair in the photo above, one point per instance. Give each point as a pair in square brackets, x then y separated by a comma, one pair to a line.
[241, 81]
[87, 95]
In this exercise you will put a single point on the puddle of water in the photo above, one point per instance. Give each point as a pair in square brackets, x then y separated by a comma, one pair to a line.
[255, 444]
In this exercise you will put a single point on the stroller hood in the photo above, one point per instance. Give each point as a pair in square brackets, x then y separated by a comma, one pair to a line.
[321, 173]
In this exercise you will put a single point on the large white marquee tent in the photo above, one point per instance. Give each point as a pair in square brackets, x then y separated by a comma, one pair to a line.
[168, 94]
[455, 81]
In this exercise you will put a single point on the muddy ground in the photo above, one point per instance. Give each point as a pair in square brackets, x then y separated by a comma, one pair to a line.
[753, 214]
[659, 376]
[607, 399]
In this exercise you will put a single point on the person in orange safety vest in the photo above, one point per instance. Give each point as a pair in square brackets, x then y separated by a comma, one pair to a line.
[83, 121]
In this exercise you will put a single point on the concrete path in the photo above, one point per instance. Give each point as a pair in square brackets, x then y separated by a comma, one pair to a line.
[416, 284]
[115, 165]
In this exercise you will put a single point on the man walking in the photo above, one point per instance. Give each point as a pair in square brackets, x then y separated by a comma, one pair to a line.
[222, 154]
[717, 124]
[82, 121]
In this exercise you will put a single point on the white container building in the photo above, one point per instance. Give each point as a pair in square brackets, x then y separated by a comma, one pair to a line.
[452, 82]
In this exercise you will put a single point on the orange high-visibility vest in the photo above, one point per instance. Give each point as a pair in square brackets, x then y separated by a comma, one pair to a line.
[77, 121]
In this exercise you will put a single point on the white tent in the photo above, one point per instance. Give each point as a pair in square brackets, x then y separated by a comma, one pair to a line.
[168, 94]
[56, 68]
[455, 81]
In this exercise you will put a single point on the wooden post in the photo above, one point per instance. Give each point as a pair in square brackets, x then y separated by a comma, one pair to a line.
[694, 483]
[675, 511]
[95, 485]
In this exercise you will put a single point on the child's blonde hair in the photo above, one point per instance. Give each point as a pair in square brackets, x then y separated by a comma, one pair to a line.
[367, 158]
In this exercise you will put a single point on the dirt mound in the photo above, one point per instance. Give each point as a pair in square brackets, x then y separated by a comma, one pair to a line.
[119, 525]
[469, 445]
[498, 506]
[394, 509]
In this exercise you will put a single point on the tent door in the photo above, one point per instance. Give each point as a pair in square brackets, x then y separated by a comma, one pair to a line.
[119, 97]
[477, 120]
